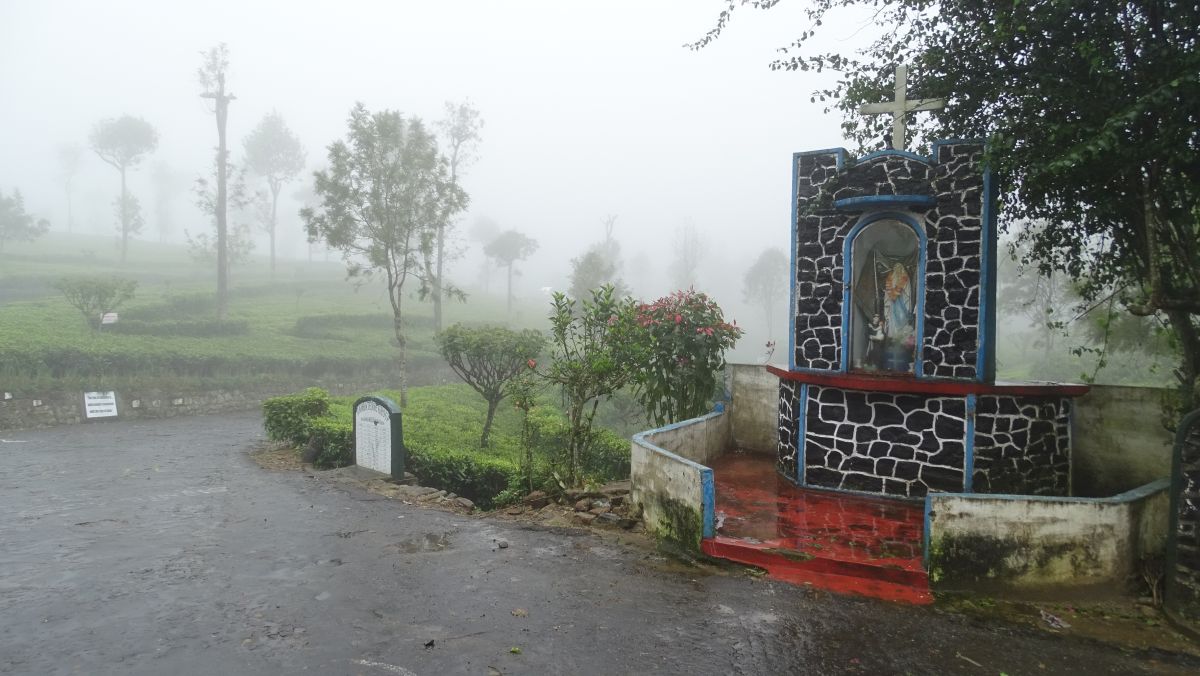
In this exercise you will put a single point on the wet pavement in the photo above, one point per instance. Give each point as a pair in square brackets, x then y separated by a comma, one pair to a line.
[159, 547]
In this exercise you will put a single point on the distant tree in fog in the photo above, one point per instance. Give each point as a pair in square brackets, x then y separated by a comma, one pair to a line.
[69, 155]
[96, 296]
[211, 75]
[381, 201]
[127, 210]
[766, 282]
[16, 225]
[484, 230]
[508, 248]
[123, 143]
[460, 129]
[203, 246]
[276, 154]
[689, 249]
[600, 265]
[167, 183]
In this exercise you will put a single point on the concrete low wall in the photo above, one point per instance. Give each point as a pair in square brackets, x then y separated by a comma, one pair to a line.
[66, 408]
[998, 543]
[670, 481]
[755, 418]
[1119, 442]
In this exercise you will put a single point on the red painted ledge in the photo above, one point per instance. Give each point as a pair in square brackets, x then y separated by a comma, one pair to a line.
[873, 383]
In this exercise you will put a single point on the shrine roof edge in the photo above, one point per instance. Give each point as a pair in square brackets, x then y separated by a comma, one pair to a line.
[842, 154]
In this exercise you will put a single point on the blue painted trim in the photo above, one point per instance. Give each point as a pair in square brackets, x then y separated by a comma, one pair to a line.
[884, 201]
[892, 152]
[925, 530]
[1134, 495]
[985, 360]
[969, 446]
[795, 230]
[801, 432]
[708, 502]
[847, 260]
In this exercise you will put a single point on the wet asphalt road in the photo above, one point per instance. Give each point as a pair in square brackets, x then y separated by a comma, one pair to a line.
[159, 547]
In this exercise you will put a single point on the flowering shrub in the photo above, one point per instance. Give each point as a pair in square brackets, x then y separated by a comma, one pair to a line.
[680, 344]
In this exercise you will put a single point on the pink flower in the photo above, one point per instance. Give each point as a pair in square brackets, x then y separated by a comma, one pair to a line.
[678, 318]
[531, 364]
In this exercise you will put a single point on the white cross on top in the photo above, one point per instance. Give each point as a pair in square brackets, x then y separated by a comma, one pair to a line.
[901, 107]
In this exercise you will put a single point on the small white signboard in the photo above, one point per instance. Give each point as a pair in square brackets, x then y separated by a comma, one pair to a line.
[99, 404]
[373, 437]
[109, 318]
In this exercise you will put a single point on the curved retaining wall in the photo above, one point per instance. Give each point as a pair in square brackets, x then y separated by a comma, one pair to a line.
[670, 481]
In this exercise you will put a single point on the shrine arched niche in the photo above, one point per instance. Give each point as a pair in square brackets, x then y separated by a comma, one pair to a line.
[885, 286]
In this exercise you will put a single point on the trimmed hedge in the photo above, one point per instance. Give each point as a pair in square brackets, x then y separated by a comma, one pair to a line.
[198, 328]
[290, 418]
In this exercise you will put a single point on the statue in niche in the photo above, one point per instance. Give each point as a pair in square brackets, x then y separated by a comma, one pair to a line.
[885, 262]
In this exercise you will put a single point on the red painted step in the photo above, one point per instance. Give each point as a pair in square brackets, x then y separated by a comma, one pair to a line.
[845, 543]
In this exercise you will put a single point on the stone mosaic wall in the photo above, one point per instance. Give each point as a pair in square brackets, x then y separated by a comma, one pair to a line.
[1184, 584]
[953, 254]
[1022, 445]
[896, 444]
[789, 395]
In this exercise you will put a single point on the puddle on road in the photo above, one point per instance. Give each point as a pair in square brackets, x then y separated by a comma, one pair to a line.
[429, 542]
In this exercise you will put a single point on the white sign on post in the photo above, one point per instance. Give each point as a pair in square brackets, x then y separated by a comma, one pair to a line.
[99, 404]
[109, 318]
[373, 436]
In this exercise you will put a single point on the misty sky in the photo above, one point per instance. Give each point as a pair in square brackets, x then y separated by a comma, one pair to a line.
[591, 108]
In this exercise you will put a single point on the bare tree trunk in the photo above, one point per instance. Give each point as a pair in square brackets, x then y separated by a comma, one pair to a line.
[124, 217]
[437, 279]
[487, 424]
[274, 206]
[402, 356]
[508, 305]
[1189, 368]
[222, 197]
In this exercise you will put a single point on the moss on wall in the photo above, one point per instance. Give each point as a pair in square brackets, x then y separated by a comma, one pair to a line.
[966, 560]
[679, 524]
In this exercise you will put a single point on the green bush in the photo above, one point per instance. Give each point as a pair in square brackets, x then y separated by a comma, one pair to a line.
[333, 440]
[290, 418]
[443, 452]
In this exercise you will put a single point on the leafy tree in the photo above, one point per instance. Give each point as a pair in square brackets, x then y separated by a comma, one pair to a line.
[123, 143]
[507, 248]
[766, 283]
[591, 344]
[95, 297]
[15, 224]
[211, 76]
[69, 155]
[460, 128]
[1090, 113]
[523, 391]
[488, 359]
[678, 355]
[276, 154]
[381, 200]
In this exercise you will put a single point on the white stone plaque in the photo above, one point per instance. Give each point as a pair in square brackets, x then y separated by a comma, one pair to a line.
[373, 437]
[109, 318]
[99, 404]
